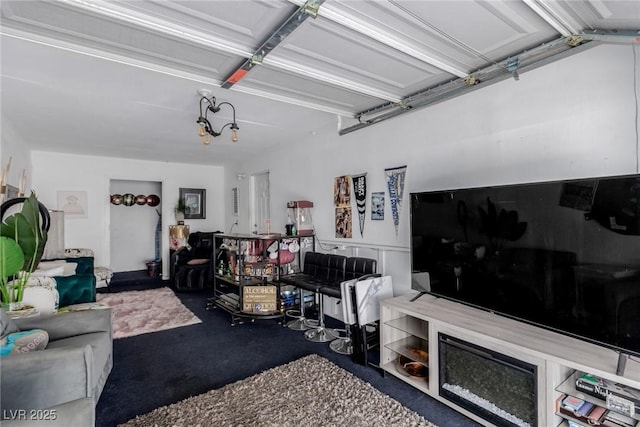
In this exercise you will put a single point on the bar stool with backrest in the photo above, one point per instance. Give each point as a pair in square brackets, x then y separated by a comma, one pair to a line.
[309, 266]
[356, 268]
[330, 273]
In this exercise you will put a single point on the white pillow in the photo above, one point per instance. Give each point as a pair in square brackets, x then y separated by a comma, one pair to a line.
[47, 265]
[55, 268]
[49, 272]
[42, 293]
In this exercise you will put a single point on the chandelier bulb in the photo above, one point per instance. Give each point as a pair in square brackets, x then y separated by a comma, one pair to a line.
[234, 136]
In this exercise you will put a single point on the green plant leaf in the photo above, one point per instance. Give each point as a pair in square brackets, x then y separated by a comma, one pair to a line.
[24, 227]
[11, 258]
[25, 235]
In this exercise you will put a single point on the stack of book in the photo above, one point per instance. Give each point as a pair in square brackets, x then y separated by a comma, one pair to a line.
[582, 410]
[574, 409]
[618, 396]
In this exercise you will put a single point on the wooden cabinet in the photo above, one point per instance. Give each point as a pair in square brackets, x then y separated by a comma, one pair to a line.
[407, 327]
[248, 268]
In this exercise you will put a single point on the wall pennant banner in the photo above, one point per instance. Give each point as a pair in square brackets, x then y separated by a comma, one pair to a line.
[395, 182]
[360, 191]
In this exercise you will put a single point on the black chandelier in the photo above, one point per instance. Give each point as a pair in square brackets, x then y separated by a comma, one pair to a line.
[205, 128]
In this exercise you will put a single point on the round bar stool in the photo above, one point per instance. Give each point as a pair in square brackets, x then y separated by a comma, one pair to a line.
[299, 322]
[320, 333]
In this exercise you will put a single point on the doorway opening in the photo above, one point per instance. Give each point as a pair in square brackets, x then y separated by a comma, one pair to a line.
[135, 227]
[260, 203]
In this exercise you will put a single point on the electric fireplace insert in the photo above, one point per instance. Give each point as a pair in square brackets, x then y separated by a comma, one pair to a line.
[494, 386]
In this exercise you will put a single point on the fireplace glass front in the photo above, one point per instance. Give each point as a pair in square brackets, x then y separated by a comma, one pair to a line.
[494, 386]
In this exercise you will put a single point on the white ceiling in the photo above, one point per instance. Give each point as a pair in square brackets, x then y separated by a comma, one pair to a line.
[120, 78]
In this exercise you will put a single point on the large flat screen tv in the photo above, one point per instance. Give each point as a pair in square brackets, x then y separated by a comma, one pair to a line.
[564, 255]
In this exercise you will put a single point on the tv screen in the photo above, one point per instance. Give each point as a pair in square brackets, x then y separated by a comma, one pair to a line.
[564, 255]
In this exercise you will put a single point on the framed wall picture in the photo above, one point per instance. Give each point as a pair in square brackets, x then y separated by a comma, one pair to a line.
[195, 202]
[12, 192]
[377, 206]
[73, 204]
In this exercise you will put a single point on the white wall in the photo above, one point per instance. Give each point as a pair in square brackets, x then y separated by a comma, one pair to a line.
[133, 228]
[53, 172]
[574, 118]
[12, 146]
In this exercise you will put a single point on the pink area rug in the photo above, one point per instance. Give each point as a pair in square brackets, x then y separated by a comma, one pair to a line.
[141, 312]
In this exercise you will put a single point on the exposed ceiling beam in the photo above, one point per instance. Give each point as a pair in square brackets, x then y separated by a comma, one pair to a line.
[403, 45]
[308, 8]
[553, 16]
[333, 79]
[159, 25]
[137, 63]
[293, 21]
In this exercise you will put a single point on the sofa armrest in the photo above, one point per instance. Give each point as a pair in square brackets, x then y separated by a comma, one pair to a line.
[69, 324]
[46, 378]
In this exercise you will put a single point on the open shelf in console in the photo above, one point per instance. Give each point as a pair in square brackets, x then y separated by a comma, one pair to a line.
[405, 348]
[411, 325]
[411, 347]
[568, 387]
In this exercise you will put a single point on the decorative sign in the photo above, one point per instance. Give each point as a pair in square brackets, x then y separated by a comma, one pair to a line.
[259, 299]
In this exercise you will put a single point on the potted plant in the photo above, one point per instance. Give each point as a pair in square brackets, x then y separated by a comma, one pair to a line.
[22, 241]
[179, 211]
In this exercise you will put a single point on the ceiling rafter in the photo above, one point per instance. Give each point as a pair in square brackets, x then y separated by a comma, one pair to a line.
[552, 15]
[293, 21]
[308, 8]
[403, 45]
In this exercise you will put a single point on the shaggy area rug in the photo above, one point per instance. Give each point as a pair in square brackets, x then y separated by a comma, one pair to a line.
[311, 391]
[141, 312]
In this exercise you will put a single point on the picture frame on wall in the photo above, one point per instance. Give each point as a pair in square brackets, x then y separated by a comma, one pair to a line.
[195, 202]
[73, 204]
[377, 206]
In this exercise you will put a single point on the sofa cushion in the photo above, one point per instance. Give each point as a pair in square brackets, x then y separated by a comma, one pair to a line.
[42, 298]
[55, 268]
[23, 342]
[76, 289]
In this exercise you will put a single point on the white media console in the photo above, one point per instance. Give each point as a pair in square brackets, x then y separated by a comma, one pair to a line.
[555, 355]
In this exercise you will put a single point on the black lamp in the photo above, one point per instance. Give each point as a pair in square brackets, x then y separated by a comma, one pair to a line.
[205, 128]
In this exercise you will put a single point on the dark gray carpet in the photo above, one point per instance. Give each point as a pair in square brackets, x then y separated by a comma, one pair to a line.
[158, 369]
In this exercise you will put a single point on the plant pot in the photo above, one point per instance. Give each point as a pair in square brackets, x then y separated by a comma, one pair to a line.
[180, 218]
[154, 268]
[12, 306]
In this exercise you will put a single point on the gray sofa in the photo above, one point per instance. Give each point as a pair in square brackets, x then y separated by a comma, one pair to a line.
[67, 376]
